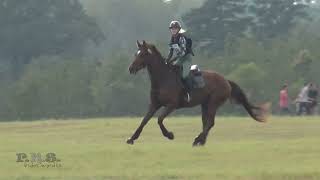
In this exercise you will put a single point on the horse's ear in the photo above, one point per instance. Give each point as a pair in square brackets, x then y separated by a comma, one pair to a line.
[138, 44]
[144, 43]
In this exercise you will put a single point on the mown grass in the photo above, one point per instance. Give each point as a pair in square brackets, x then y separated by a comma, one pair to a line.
[237, 149]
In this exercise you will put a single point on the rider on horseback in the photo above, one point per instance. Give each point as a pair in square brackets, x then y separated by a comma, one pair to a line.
[180, 54]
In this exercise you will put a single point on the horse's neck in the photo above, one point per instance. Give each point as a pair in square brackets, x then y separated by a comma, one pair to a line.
[159, 73]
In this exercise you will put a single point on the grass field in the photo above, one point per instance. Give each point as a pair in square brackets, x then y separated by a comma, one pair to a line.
[237, 148]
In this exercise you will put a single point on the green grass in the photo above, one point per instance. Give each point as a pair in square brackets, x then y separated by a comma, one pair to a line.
[237, 149]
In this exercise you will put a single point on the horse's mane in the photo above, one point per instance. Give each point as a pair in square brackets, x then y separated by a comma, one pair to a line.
[154, 50]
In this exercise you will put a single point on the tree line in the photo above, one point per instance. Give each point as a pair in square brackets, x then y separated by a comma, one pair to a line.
[69, 58]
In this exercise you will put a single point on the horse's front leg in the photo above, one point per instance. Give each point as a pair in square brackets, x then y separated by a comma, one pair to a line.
[166, 111]
[152, 109]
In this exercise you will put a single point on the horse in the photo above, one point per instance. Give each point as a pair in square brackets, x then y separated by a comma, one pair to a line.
[167, 92]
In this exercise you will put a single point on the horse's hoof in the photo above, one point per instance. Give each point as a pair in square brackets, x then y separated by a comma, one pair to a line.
[195, 144]
[202, 143]
[198, 142]
[130, 141]
[170, 136]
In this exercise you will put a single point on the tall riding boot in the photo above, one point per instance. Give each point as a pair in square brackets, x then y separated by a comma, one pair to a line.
[187, 89]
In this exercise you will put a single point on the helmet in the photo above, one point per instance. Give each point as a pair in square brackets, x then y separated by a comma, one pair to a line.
[177, 25]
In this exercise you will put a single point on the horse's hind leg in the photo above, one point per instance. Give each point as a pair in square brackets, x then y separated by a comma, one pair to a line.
[204, 110]
[167, 110]
[212, 107]
[202, 137]
[205, 119]
[151, 111]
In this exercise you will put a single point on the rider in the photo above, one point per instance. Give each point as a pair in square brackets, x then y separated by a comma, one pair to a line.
[179, 55]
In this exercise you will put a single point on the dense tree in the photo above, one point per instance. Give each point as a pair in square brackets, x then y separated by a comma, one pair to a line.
[61, 86]
[54, 87]
[31, 28]
[216, 21]
[125, 21]
[276, 17]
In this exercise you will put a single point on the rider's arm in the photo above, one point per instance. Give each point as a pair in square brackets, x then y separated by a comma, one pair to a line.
[181, 51]
[169, 55]
[183, 46]
[178, 50]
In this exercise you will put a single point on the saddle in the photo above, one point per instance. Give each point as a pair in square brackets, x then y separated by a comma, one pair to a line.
[196, 78]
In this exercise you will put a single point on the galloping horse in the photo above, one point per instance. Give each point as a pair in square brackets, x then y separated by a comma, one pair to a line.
[167, 92]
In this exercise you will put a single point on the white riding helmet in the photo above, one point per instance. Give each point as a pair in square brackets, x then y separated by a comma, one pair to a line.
[176, 24]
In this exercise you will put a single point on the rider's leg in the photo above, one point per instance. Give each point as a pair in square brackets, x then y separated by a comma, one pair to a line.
[186, 78]
[186, 88]
[186, 65]
[187, 84]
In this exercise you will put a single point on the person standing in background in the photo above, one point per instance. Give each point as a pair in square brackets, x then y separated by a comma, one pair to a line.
[313, 96]
[283, 100]
[303, 101]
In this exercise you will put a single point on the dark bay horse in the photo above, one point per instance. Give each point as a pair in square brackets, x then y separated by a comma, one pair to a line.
[167, 92]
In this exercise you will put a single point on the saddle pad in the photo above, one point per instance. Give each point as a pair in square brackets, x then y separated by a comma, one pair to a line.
[198, 81]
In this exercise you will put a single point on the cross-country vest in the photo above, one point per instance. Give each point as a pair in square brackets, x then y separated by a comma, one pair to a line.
[175, 40]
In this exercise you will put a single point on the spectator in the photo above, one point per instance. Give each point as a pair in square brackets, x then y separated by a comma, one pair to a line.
[283, 100]
[303, 101]
[313, 95]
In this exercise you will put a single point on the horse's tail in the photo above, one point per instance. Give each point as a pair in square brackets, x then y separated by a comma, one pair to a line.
[259, 113]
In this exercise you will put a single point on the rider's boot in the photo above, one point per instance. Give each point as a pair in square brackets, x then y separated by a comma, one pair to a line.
[187, 90]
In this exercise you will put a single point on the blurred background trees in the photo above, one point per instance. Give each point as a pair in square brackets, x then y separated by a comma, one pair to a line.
[69, 58]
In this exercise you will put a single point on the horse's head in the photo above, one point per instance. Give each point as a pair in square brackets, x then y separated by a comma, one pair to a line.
[142, 57]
